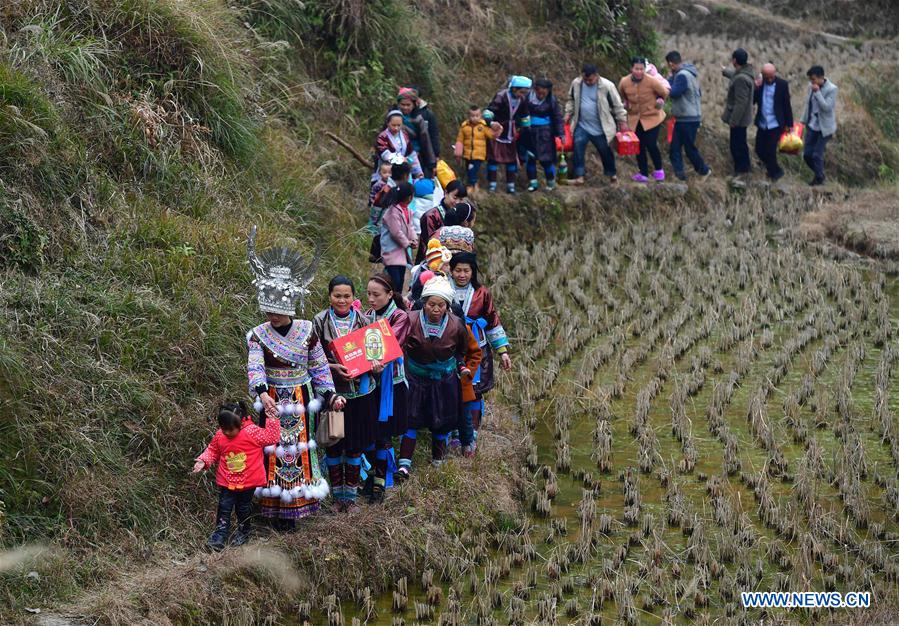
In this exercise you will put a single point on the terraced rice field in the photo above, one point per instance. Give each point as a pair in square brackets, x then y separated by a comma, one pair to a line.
[708, 412]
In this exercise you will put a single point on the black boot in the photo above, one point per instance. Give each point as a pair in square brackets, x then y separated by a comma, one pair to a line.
[377, 494]
[219, 537]
[368, 485]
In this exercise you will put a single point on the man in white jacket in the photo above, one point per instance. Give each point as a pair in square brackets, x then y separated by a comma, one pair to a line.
[594, 108]
[820, 119]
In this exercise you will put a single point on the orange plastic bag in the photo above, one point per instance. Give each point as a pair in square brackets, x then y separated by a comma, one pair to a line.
[669, 127]
[790, 141]
[628, 143]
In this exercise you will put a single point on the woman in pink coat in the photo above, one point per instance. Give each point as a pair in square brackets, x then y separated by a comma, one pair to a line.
[398, 235]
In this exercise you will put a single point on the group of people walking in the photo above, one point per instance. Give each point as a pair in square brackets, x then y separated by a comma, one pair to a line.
[284, 452]
[525, 124]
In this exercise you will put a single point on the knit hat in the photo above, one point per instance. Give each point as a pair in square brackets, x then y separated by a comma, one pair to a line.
[437, 255]
[520, 81]
[424, 188]
[438, 286]
[457, 238]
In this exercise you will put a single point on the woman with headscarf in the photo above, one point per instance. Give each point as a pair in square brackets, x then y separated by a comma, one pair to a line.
[288, 372]
[386, 303]
[483, 320]
[394, 145]
[439, 352]
[344, 459]
[545, 129]
[510, 113]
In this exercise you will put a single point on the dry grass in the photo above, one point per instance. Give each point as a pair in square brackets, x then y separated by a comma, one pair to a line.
[416, 528]
[866, 222]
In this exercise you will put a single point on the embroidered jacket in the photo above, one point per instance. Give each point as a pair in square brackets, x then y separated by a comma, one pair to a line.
[478, 304]
[240, 459]
[299, 350]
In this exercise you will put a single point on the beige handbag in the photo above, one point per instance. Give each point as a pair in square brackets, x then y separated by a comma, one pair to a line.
[329, 429]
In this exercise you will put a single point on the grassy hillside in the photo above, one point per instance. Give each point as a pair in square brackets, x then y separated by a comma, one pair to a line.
[140, 140]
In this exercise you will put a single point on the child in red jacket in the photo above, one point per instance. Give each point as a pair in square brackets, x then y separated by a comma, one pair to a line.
[237, 448]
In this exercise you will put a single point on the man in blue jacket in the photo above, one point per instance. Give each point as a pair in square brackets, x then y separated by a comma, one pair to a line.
[773, 117]
[686, 108]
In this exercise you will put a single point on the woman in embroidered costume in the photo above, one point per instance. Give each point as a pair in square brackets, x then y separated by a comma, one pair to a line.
[289, 373]
[439, 351]
[483, 320]
[387, 303]
[510, 113]
[344, 459]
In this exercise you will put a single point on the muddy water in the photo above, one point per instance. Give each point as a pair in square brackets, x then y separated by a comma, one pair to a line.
[655, 559]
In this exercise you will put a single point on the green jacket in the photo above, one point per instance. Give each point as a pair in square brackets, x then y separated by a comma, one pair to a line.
[738, 108]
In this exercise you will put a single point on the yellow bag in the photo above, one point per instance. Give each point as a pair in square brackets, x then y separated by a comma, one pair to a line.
[791, 141]
[445, 174]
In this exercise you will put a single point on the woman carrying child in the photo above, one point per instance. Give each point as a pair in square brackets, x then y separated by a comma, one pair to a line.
[482, 318]
[545, 129]
[344, 459]
[237, 450]
[644, 96]
[510, 111]
[395, 141]
[289, 374]
[439, 352]
[386, 303]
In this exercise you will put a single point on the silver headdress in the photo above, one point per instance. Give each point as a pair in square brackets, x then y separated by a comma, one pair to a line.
[281, 276]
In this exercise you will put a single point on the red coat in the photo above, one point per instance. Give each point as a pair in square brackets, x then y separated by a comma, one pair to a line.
[240, 459]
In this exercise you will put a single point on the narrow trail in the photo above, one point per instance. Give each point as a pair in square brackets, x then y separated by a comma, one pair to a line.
[787, 22]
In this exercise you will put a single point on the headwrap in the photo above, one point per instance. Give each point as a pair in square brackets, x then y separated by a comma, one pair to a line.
[457, 238]
[438, 286]
[407, 93]
[471, 259]
[520, 81]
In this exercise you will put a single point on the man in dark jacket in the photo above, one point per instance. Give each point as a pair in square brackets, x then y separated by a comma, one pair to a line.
[773, 117]
[738, 108]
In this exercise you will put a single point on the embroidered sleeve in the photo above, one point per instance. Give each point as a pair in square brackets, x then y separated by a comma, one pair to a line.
[268, 436]
[318, 368]
[496, 334]
[211, 454]
[255, 364]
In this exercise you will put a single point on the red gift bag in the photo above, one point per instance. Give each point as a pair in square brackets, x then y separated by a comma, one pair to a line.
[568, 142]
[628, 143]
